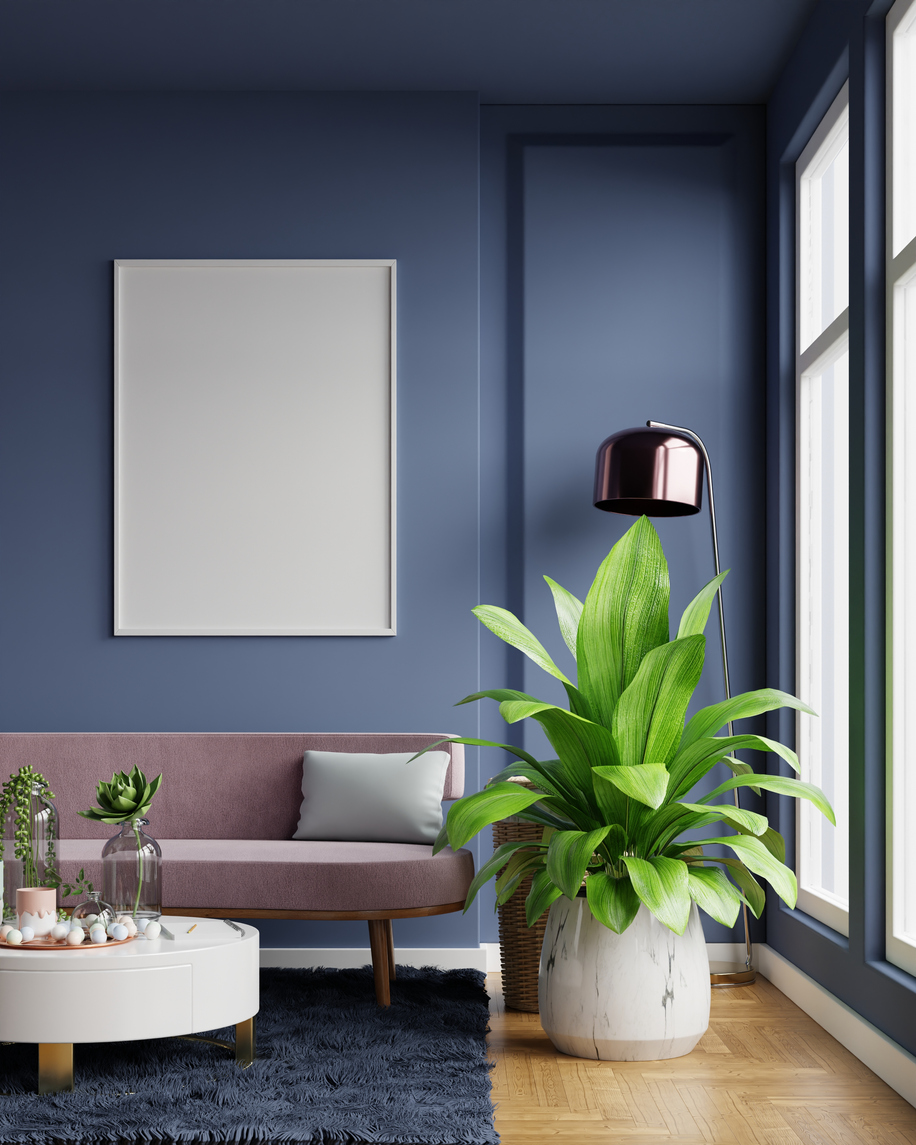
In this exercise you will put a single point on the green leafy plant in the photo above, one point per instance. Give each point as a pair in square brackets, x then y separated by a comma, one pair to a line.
[80, 885]
[127, 798]
[615, 804]
[33, 828]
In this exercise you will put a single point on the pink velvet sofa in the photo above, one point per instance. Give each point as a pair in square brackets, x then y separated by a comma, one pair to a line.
[225, 817]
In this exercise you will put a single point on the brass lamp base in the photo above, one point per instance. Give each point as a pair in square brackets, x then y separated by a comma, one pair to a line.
[731, 974]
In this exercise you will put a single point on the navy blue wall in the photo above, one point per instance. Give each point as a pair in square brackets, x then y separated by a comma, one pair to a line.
[843, 40]
[90, 178]
[622, 271]
[598, 226]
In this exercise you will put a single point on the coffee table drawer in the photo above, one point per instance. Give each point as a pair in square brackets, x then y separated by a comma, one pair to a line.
[103, 1005]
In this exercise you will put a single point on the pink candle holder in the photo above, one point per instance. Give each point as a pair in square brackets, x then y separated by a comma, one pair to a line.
[37, 907]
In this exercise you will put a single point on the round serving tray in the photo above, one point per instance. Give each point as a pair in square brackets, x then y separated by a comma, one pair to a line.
[57, 944]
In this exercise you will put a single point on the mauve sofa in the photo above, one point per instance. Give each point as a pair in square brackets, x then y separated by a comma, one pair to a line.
[225, 817]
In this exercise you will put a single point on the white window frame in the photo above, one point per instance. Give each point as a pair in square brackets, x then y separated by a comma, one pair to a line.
[901, 655]
[815, 354]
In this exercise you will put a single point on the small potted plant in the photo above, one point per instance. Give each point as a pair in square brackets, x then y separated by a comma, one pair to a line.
[132, 859]
[29, 816]
[624, 972]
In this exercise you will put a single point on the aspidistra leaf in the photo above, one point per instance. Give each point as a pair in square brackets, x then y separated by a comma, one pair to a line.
[625, 615]
[758, 859]
[494, 865]
[707, 721]
[712, 892]
[511, 748]
[753, 891]
[510, 629]
[543, 892]
[506, 889]
[692, 762]
[781, 784]
[695, 615]
[579, 743]
[474, 812]
[612, 901]
[646, 783]
[569, 609]
[649, 718]
[568, 857]
[441, 839]
[662, 885]
[737, 817]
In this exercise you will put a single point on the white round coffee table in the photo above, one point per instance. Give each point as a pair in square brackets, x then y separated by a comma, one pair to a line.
[204, 979]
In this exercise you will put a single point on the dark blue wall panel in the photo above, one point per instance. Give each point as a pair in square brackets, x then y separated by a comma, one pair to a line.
[629, 243]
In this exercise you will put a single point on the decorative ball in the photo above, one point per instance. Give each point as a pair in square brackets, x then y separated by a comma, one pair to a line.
[75, 936]
[119, 932]
[142, 924]
[60, 930]
[90, 919]
[26, 933]
[152, 929]
[4, 931]
[14, 937]
[97, 935]
[75, 924]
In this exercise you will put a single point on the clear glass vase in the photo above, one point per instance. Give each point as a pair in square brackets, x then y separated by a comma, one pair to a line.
[38, 854]
[91, 910]
[132, 871]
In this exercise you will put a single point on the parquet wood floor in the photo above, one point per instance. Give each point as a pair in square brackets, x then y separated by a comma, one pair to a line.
[764, 1074]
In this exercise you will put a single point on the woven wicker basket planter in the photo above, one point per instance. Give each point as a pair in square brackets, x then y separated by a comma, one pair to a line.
[519, 944]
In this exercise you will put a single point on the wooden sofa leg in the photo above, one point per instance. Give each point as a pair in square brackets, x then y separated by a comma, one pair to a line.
[389, 938]
[378, 944]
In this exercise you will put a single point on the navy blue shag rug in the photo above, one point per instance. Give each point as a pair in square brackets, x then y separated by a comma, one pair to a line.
[333, 1068]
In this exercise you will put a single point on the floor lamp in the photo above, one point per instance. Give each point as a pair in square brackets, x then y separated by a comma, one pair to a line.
[659, 471]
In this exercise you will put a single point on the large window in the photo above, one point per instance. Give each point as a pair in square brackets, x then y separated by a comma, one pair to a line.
[822, 372]
[901, 263]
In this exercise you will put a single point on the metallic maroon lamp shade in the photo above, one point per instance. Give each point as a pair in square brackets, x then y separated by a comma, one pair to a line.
[651, 471]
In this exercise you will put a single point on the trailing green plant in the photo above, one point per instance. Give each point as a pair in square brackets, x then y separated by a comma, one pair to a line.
[20, 794]
[616, 803]
[126, 798]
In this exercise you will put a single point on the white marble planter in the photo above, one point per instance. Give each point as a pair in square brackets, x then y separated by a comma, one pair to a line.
[637, 996]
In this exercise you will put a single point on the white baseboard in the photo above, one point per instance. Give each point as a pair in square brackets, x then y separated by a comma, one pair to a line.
[485, 957]
[342, 958]
[727, 952]
[883, 1056]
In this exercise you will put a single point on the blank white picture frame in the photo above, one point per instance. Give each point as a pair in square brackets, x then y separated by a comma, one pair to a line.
[255, 447]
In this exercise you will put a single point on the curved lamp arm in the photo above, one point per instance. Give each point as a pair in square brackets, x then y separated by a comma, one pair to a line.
[698, 441]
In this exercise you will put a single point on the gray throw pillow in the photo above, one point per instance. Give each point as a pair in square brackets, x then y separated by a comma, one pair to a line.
[372, 798]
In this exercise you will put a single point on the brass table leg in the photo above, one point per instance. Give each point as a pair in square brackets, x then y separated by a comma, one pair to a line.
[244, 1042]
[55, 1067]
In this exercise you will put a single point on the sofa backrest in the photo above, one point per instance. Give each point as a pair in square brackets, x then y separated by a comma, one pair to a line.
[232, 785]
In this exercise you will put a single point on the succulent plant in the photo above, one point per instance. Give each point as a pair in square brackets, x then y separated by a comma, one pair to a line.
[125, 797]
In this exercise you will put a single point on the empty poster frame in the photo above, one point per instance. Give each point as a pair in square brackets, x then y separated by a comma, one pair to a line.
[255, 447]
